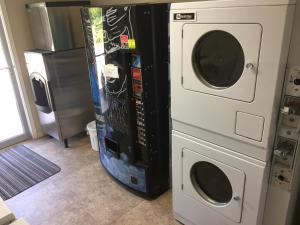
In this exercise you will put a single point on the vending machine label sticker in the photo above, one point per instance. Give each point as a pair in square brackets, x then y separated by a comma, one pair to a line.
[131, 43]
[110, 71]
[124, 38]
[136, 61]
[124, 41]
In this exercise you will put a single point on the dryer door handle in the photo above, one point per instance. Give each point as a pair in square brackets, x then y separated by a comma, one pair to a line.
[236, 198]
[250, 66]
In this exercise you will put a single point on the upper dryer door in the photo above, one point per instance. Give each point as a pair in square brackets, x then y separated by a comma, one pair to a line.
[221, 59]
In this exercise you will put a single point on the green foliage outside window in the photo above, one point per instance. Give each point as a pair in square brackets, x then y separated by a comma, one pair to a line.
[97, 26]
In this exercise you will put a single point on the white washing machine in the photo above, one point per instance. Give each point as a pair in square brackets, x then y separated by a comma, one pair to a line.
[228, 60]
[213, 186]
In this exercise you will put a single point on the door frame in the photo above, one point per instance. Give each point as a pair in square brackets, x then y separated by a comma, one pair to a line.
[13, 74]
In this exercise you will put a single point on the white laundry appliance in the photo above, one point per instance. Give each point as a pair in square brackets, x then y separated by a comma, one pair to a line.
[227, 69]
[214, 186]
[228, 61]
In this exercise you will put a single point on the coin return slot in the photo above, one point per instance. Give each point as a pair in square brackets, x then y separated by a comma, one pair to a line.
[112, 146]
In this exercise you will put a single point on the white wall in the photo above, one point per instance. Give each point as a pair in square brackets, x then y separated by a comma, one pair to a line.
[19, 38]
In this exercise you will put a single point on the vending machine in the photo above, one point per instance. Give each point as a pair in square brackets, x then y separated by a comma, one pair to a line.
[127, 51]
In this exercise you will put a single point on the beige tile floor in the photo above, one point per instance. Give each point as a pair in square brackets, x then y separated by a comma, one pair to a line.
[83, 193]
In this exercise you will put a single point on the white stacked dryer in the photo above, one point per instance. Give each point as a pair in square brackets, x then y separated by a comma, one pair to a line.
[228, 60]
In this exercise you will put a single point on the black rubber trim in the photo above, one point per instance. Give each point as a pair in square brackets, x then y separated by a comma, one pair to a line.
[70, 3]
[58, 4]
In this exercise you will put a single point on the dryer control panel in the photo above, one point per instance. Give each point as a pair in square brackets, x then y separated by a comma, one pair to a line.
[288, 133]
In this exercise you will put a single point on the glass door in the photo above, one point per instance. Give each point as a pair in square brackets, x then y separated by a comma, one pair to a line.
[13, 124]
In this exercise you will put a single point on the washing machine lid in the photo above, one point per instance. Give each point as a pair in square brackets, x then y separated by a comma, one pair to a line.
[229, 3]
[214, 184]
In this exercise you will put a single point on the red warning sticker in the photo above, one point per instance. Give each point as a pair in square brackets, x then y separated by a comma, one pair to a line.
[124, 38]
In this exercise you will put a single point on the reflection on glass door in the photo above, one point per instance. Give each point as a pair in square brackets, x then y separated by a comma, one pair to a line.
[13, 123]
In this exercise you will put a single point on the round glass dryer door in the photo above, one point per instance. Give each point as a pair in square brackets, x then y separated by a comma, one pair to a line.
[211, 183]
[221, 59]
[218, 59]
[214, 184]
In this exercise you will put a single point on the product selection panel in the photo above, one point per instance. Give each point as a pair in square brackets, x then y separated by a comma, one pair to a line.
[137, 88]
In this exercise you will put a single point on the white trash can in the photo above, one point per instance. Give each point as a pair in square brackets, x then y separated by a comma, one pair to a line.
[92, 132]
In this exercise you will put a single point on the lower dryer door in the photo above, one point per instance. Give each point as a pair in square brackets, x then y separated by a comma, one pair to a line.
[214, 184]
